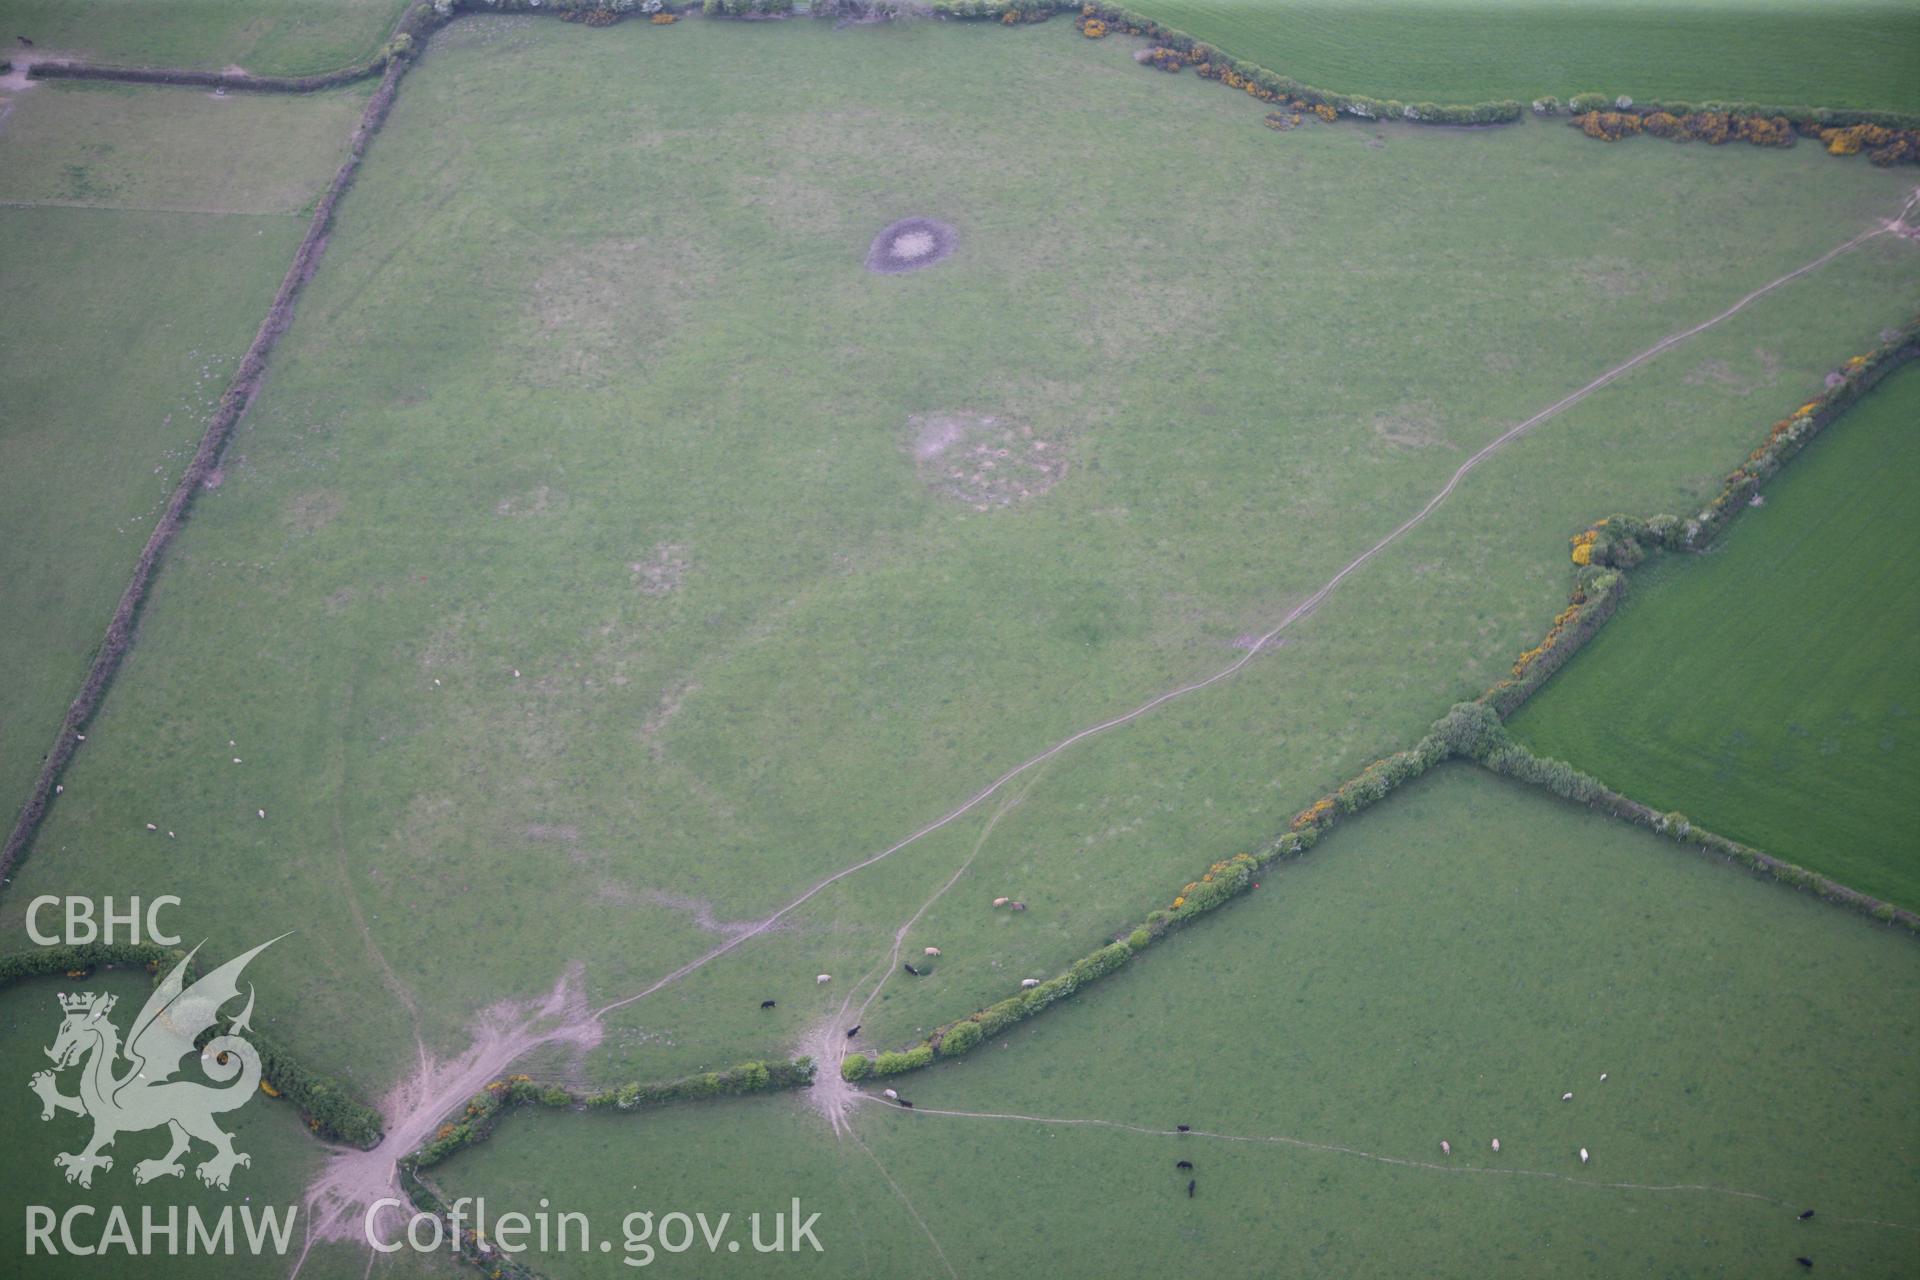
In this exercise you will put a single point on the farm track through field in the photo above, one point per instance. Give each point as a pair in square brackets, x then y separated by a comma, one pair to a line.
[354, 1179]
[1304, 609]
[1404, 1162]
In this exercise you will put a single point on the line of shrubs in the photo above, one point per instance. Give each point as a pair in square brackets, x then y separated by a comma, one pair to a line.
[409, 33]
[1513, 760]
[1887, 137]
[473, 1248]
[1604, 552]
[1473, 731]
[1466, 730]
[1256, 80]
[239, 393]
[326, 1105]
[483, 1110]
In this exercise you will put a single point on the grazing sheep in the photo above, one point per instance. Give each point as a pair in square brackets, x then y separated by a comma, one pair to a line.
[931, 951]
[1183, 1164]
[768, 1004]
[822, 978]
[1190, 1182]
[1028, 984]
[853, 1031]
[1603, 1077]
[1806, 1215]
[261, 812]
[151, 827]
[1446, 1148]
[1017, 906]
[1496, 1146]
[1583, 1155]
[1566, 1097]
[890, 1093]
[1001, 902]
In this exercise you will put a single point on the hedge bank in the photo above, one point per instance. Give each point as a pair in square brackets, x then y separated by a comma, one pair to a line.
[328, 1108]
[1605, 552]
[413, 27]
[239, 393]
[475, 1123]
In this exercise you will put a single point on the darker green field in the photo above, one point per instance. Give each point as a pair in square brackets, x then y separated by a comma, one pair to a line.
[1446, 966]
[1767, 689]
[1857, 54]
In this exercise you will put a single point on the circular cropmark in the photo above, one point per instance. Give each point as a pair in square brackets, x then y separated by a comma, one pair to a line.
[910, 244]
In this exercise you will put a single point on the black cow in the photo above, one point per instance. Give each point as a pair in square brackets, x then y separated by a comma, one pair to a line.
[768, 1004]
[1806, 1215]
[853, 1031]
[1184, 1164]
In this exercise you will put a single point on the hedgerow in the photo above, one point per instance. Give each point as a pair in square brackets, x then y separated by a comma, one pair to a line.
[327, 1107]
[1887, 137]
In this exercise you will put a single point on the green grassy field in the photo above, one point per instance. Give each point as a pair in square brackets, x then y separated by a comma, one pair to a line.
[284, 1156]
[1860, 53]
[265, 37]
[616, 408]
[1446, 966]
[1766, 689]
[130, 313]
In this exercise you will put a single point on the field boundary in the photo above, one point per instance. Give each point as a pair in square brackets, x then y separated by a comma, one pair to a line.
[1476, 731]
[1470, 730]
[234, 402]
[328, 1108]
[413, 24]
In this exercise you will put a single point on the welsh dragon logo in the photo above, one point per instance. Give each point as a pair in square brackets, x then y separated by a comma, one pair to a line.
[128, 1088]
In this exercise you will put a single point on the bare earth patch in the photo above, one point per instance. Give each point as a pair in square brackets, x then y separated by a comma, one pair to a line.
[312, 512]
[910, 244]
[983, 460]
[1413, 425]
[534, 502]
[663, 571]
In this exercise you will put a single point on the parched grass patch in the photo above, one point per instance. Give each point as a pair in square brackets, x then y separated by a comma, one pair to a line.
[1767, 689]
[752, 645]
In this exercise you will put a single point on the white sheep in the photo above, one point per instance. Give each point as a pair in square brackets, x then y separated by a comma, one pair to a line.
[823, 978]
[1446, 1148]
[1566, 1097]
[1028, 984]
[932, 951]
[1583, 1155]
[1001, 902]
[1496, 1146]
[892, 1093]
